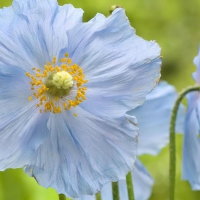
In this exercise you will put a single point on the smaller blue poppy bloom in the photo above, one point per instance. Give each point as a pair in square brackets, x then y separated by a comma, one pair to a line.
[191, 143]
[153, 118]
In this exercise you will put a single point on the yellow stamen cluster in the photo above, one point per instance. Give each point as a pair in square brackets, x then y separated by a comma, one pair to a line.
[47, 91]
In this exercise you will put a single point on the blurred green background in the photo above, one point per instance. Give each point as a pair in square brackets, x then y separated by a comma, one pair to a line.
[175, 25]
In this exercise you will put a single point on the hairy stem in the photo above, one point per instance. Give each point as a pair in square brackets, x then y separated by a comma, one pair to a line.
[172, 145]
[62, 197]
[115, 190]
[98, 196]
[130, 186]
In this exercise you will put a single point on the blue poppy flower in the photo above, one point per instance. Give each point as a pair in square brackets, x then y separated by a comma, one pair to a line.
[153, 118]
[191, 142]
[65, 89]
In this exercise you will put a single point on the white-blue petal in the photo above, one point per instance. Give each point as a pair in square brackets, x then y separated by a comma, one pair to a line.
[91, 197]
[40, 32]
[22, 128]
[15, 90]
[83, 153]
[115, 61]
[142, 183]
[24, 5]
[196, 75]
[191, 144]
[6, 16]
[154, 118]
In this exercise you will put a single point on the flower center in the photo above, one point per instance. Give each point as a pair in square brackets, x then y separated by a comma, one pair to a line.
[53, 86]
[59, 84]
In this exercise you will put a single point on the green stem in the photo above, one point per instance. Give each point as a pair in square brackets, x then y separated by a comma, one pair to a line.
[98, 196]
[130, 186]
[172, 145]
[115, 190]
[196, 194]
[62, 197]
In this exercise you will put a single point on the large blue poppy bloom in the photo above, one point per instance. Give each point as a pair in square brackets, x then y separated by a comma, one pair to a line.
[191, 145]
[65, 89]
[153, 118]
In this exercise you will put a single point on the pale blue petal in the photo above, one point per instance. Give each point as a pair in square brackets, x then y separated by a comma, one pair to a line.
[88, 197]
[6, 16]
[196, 75]
[39, 35]
[106, 192]
[191, 144]
[24, 5]
[154, 118]
[20, 139]
[22, 128]
[100, 18]
[15, 90]
[142, 183]
[115, 62]
[84, 152]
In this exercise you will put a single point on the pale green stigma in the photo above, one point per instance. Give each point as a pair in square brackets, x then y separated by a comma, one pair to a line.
[59, 84]
[63, 80]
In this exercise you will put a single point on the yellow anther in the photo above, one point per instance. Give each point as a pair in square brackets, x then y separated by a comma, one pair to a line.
[54, 60]
[63, 60]
[59, 109]
[69, 61]
[75, 115]
[44, 87]
[30, 98]
[67, 73]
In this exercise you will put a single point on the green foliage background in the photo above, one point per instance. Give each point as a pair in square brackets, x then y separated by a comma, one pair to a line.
[175, 25]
